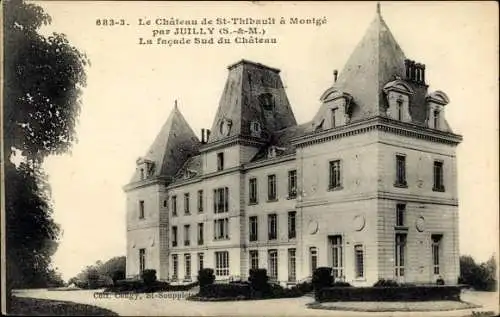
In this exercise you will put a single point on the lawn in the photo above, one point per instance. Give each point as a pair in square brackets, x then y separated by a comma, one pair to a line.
[45, 307]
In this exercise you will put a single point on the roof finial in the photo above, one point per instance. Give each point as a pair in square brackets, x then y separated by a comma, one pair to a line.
[378, 8]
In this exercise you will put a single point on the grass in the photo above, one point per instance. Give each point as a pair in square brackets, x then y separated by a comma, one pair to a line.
[45, 307]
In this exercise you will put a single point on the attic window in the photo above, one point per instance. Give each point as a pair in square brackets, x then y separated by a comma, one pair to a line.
[266, 101]
[274, 151]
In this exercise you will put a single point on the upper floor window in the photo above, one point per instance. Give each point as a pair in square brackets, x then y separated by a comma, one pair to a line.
[221, 200]
[271, 187]
[292, 232]
[253, 228]
[252, 191]
[200, 200]
[187, 235]
[400, 171]
[186, 204]
[272, 222]
[400, 215]
[335, 175]
[292, 184]
[436, 119]
[220, 161]
[200, 233]
[438, 176]
[174, 236]
[174, 205]
[221, 229]
[141, 209]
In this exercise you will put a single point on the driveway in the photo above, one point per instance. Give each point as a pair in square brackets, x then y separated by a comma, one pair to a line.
[173, 304]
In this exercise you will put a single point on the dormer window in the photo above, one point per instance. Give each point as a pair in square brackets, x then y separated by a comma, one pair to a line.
[142, 174]
[145, 168]
[334, 118]
[398, 95]
[436, 119]
[273, 151]
[266, 101]
[255, 128]
[400, 108]
[435, 107]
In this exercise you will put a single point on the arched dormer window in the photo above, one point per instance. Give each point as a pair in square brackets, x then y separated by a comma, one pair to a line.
[435, 109]
[145, 167]
[335, 111]
[398, 95]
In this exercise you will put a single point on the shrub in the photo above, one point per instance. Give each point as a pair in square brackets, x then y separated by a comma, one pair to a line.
[304, 287]
[148, 276]
[341, 284]
[259, 280]
[386, 283]
[322, 277]
[206, 277]
[118, 275]
[225, 290]
[440, 281]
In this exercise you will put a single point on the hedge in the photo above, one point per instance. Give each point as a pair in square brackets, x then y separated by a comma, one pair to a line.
[399, 293]
[232, 290]
[138, 286]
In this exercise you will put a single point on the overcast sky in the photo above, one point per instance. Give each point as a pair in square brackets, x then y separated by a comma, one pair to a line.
[131, 91]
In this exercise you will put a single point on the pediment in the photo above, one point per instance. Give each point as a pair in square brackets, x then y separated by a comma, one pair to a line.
[399, 86]
[438, 97]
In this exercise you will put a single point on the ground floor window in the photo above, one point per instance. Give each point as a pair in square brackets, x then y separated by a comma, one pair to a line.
[187, 265]
[400, 251]
[222, 263]
[359, 261]
[142, 260]
[313, 255]
[175, 266]
[254, 259]
[436, 252]
[200, 261]
[273, 265]
[292, 266]
[337, 258]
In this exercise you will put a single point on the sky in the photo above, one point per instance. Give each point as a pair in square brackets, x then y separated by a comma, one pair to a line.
[131, 90]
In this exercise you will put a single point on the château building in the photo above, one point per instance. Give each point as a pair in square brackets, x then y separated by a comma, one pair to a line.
[368, 187]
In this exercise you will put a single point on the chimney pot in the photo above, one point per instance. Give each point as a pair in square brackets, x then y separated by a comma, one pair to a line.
[208, 135]
[335, 73]
[202, 136]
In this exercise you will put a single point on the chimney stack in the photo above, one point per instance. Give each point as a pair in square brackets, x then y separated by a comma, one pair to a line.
[335, 73]
[208, 135]
[202, 136]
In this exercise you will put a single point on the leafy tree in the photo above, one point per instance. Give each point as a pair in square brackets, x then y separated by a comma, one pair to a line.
[43, 80]
[479, 276]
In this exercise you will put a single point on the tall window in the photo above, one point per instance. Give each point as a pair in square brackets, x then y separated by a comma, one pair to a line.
[222, 263]
[400, 170]
[400, 215]
[313, 255]
[200, 261]
[174, 205]
[220, 161]
[436, 119]
[292, 233]
[271, 187]
[436, 252]
[221, 200]
[142, 260]
[400, 109]
[335, 180]
[221, 229]
[254, 259]
[175, 267]
[400, 254]
[141, 209]
[334, 118]
[187, 234]
[186, 204]
[200, 233]
[187, 266]
[253, 228]
[272, 226]
[273, 264]
[174, 236]
[252, 190]
[292, 184]
[200, 200]
[337, 257]
[292, 266]
[359, 261]
[438, 176]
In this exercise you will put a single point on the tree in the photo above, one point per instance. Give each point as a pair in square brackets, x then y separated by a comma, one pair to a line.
[480, 276]
[43, 81]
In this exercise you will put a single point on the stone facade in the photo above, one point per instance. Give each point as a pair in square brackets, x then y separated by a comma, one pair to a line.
[368, 187]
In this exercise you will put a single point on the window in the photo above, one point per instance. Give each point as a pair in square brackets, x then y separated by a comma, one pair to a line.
[141, 209]
[252, 190]
[165, 203]
[271, 187]
[200, 233]
[438, 176]
[200, 200]
[174, 205]
[436, 252]
[400, 170]
[221, 200]
[292, 265]
[292, 184]
[400, 109]
[174, 236]
[337, 257]
[186, 204]
[436, 119]
[253, 228]
[266, 101]
[200, 261]
[334, 118]
[400, 255]
[273, 265]
[142, 173]
[221, 229]
[187, 266]
[291, 225]
[187, 234]
[335, 182]
[222, 263]
[400, 215]
[142, 260]
[272, 222]
[175, 267]
[220, 161]
[313, 255]
[254, 259]
[359, 261]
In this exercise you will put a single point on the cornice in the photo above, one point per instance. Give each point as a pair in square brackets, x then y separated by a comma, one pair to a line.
[232, 140]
